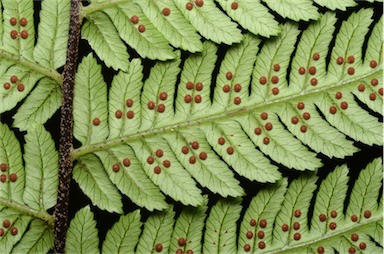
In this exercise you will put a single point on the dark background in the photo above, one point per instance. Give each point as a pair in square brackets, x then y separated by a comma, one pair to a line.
[105, 220]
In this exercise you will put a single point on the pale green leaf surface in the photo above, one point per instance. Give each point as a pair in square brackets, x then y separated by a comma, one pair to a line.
[320, 136]
[132, 180]
[189, 225]
[175, 28]
[278, 136]
[82, 235]
[375, 45]
[294, 9]
[297, 197]
[197, 68]
[365, 96]
[124, 234]
[19, 46]
[51, 47]
[1, 25]
[245, 160]
[332, 190]
[99, 31]
[89, 173]
[353, 121]
[157, 229]
[151, 43]
[90, 103]
[275, 51]
[349, 42]
[41, 169]
[125, 85]
[212, 172]
[39, 106]
[10, 154]
[162, 78]
[339, 4]
[9, 98]
[366, 190]
[253, 16]
[210, 22]
[20, 221]
[264, 206]
[315, 39]
[173, 181]
[220, 232]
[239, 60]
[38, 239]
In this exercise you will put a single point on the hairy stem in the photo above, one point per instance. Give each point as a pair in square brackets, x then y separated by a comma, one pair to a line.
[66, 166]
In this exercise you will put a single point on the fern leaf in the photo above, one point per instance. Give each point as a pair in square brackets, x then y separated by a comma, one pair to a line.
[349, 43]
[27, 78]
[41, 182]
[175, 28]
[327, 203]
[148, 43]
[293, 9]
[244, 117]
[220, 232]
[19, 46]
[210, 22]
[39, 106]
[92, 103]
[276, 221]
[82, 233]
[262, 209]
[210, 172]
[124, 97]
[26, 194]
[245, 160]
[19, 225]
[276, 51]
[172, 179]
[124, 235]
[93, 180]
[253, 16]
[50, 49]
[239, 61]
[130, 178]
[157, 232]
[23, 65]
[188, 230]
[197, 69]
[375, 48]
[365, 192]
[333, 5]
[39, 239]
[10, 155]
[104, 39]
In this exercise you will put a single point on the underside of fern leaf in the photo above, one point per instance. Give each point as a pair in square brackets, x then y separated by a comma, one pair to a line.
[279, 219]
[157, 137]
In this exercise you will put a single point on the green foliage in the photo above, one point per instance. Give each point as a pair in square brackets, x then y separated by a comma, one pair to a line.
[205, 118]
[138, 131]
[273, 208]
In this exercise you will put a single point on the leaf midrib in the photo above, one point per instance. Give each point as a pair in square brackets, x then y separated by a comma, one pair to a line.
[211, 118]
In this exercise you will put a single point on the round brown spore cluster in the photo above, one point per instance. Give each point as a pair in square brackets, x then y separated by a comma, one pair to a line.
[14, 79]
[15, 33]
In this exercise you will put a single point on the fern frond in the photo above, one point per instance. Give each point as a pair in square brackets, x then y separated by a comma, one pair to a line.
[278, 220]
[27, 193]
[25, 65]
[148, 26]
[234, 130]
